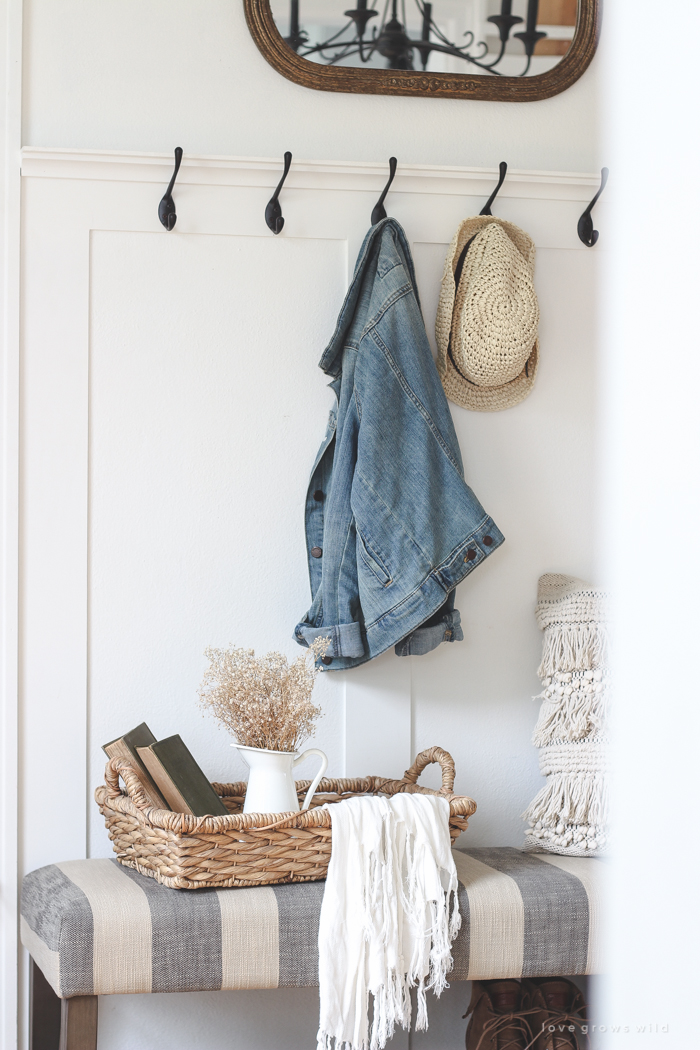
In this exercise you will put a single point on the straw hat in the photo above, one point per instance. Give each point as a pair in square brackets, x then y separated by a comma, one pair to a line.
[486, 325]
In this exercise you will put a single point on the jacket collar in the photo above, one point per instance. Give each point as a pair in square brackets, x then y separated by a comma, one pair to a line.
[332, 358]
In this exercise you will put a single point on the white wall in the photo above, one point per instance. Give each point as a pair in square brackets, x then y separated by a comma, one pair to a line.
[199, 436]
[152, 74]
[651, 514]
[150, 483]
[10, 123]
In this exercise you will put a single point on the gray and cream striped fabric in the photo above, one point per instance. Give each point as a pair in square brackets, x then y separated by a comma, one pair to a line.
[97, 928]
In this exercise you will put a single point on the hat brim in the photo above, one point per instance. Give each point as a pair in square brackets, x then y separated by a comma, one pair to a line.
[489, 398]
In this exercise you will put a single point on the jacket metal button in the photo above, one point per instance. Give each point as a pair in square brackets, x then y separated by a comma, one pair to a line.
[318, 496]
[487, 541]
[316, 552]
[471, 554]
[326, 660]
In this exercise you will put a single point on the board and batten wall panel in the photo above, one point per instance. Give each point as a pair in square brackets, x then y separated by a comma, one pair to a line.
[172, 408]
[205, 406]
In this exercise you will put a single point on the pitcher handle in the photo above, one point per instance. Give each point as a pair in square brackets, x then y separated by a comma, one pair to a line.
[315, 782]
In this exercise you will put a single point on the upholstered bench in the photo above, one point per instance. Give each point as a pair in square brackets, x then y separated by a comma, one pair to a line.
[93, 927]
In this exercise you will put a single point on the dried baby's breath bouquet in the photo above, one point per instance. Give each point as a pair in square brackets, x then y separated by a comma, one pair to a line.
[265, 701]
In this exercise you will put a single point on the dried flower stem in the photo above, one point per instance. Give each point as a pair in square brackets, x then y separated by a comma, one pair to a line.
[263, 701]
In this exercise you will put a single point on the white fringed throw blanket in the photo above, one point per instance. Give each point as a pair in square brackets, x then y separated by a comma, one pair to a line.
[389, 916]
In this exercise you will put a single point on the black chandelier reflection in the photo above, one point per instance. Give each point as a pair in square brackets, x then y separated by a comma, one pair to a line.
[389, 38]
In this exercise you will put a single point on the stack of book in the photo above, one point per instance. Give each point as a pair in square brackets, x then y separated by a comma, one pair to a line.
[170, 777]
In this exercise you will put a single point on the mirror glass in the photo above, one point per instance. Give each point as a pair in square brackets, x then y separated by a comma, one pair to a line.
[491, 38]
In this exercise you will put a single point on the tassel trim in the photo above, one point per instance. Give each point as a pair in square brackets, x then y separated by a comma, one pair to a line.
[574, 706]
[572, 809]
[574, 647]
[587, 847]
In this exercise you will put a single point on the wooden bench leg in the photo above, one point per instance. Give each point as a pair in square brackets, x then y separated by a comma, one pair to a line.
[44, 1012]
[79, 1023]
[59, 1024]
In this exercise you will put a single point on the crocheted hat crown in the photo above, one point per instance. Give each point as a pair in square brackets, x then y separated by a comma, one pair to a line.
[486, 325]
[495, 313]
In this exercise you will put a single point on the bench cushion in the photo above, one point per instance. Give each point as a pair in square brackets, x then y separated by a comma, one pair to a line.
[97, 928]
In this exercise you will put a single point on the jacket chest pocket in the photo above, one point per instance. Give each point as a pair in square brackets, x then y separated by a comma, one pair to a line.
[372, 560]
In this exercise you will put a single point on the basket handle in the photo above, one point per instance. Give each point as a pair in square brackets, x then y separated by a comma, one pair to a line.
[425, 758]
[121, 767]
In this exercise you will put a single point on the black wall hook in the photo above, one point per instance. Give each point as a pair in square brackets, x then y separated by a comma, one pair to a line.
[166, 208]
[586, 233]
[273, 211]
[379, 211]
[503, 168]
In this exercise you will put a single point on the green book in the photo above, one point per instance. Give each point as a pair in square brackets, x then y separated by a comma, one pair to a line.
[127, 747]
[179, 778]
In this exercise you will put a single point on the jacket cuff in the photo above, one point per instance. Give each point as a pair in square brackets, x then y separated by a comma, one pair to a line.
[345, 638]
[424, 639]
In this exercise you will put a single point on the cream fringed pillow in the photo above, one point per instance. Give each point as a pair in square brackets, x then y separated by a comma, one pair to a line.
[570, 814]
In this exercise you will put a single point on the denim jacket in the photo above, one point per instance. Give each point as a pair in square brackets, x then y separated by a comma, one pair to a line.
[391, 525]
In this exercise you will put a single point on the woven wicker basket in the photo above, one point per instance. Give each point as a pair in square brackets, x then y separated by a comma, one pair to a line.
[251, 849]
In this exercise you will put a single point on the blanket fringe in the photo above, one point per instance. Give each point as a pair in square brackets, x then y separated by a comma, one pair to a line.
[392, 1002]
[325, 1041]
[403, 898]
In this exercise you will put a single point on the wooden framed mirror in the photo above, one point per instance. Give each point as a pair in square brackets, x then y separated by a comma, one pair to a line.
[500, 50]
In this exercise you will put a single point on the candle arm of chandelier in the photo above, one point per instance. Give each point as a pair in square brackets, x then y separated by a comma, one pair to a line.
[359, 45]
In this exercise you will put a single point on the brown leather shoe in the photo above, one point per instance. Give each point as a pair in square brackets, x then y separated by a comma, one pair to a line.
[557, 1014]
[497, 1021]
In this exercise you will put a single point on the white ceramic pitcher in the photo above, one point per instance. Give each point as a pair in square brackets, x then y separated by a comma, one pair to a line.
[271, 787]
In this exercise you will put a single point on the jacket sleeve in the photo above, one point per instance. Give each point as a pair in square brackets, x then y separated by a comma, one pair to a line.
[416, 518]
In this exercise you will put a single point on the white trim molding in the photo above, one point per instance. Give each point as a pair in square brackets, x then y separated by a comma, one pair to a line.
[304, 174]
[10, 183]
